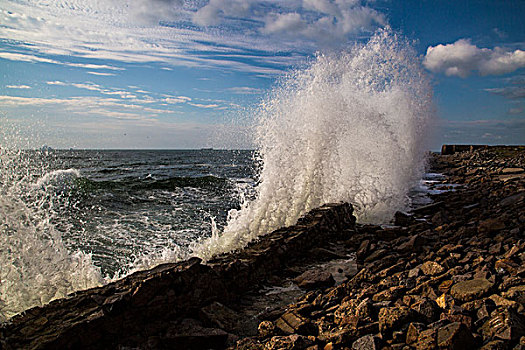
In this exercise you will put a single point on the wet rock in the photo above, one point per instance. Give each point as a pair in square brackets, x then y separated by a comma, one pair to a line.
[432, 268]
[190, 335]
[367, 342]
[313, 279]
[218, 315]
[512, 200]
[455, 336]
[470, 289]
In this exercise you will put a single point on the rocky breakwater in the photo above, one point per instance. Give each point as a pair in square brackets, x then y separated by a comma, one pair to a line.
[181, 305]
[449, 275]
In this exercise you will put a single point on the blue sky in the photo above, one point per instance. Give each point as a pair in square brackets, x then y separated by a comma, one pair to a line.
[184, 74]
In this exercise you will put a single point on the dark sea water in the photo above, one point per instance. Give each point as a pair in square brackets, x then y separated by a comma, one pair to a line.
[121, 205]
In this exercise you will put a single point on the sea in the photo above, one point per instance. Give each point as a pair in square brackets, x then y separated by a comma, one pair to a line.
[352, 126]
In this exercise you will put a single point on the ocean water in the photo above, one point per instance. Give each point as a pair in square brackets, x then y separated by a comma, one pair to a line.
[352, 126]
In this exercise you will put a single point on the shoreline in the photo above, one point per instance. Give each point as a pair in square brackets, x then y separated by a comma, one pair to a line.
[448, 275]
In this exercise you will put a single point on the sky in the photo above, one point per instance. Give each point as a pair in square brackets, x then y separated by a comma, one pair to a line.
[186, 73]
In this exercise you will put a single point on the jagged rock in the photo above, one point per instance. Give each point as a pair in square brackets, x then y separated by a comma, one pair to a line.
[391, 293]
[427, 340]
[505, 324]
[495, 345]
[367, 342]
[432, 268]
[393, 317]
[291, 322]
[445, 301]
[516, 293]
[289, 342]
[455, 336]
[313, 279]
[470, 289]
[413, 331]
[511, 200]
[427, 309]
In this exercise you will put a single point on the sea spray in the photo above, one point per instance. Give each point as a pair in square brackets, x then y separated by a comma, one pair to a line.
[351, 127]
[36, 266]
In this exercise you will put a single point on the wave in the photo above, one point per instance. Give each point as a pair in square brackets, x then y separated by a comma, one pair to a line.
[351, 127]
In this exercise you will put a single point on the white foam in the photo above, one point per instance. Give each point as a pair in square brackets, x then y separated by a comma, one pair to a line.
[351, 127]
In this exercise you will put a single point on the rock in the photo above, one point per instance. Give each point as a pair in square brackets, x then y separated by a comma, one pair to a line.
[431, 268]
[393, 317]
[190, 335]
[414, 329]
[495, 345]
[445, 301]
[291, 322]
[266, 329]
[391, 293]
[491, 225]
[402, 219]
[470, 289]
[505, 323]
[427, 309]
[313, 279]
[511, 200]
[427, 340]
[516, 293]
[512, 171]
[289, 342]
[220, 316]
[455, 336]
[362, 251]
[367, 342]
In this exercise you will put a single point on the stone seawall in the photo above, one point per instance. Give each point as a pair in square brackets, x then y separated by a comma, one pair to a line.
[145, 309]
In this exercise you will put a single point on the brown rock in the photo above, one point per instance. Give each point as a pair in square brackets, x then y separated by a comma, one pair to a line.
[516, 293]
[289, 342]
[495, 345]
[432, 268]
[491, 225]
[445, 286]
[367, 342]
[471, 289]
[190, 335]
[393, 317]
[391, 293]
[313, 279]
[445, 301]
[504, 323]
[413, 331]
[291, 322]
[455, 336]
[427, 309]
[266, 329]
[427, 340]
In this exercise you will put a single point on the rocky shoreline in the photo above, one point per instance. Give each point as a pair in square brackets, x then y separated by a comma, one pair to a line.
[449, 275]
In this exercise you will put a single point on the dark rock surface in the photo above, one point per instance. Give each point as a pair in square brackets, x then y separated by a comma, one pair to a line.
[175, 305]
[449, 275]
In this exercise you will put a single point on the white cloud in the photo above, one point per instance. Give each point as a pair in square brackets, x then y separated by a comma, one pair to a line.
[213, 13]
[203, 105]
[244, 90]
[18, 87]
[157, 31]
[462, 58]
[102, 74]
[288, 23]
